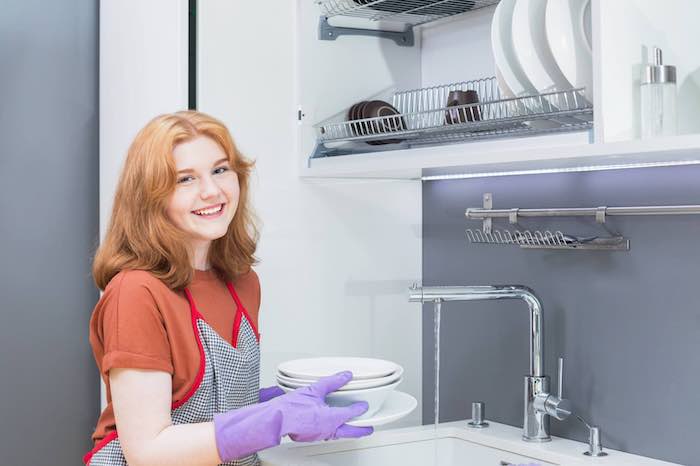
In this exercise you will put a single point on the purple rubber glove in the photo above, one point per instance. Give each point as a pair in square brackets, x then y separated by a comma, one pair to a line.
[302, 414]
[269, 393]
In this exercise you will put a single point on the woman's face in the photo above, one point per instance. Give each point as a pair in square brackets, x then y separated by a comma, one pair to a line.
[206, 193]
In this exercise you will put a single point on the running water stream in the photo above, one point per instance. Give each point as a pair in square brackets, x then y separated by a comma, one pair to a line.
[436, 321]
[436, 326]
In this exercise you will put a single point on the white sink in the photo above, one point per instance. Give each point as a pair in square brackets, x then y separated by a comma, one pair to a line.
[451, 444]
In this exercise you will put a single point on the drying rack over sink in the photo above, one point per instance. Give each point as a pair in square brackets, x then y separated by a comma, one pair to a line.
[557, 240]
[408, 12]
[424, 118]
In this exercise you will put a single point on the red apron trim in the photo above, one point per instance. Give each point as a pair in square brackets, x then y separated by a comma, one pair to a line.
[236, 327]
[237, 321]
[108, 438]
[200, 373]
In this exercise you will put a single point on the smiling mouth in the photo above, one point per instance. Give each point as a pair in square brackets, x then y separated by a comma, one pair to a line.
[210, 211]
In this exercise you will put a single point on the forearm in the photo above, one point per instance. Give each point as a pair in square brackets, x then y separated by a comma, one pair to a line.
[180, 445]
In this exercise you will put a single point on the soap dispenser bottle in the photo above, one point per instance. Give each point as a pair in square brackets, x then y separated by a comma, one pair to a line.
[658, 98]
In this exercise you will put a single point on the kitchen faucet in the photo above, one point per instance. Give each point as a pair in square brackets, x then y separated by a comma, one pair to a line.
[539, 403]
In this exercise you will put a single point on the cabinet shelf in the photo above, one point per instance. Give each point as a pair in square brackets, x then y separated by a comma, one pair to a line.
[551, 153]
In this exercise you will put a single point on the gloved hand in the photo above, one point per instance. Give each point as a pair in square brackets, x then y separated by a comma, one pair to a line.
[269, 393]
[302, 414]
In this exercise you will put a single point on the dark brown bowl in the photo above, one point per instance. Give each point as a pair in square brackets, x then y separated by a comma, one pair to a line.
[354, 114]
[465, 114]
[379, 109]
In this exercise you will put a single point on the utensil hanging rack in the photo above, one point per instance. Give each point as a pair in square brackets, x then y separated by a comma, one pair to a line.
[411, 13]
[422, 118]
[557, 240]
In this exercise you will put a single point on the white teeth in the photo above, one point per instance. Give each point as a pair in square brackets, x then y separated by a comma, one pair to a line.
[209, 211]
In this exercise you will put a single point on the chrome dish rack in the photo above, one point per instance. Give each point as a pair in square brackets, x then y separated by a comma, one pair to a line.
[424, 118]
[411, 12]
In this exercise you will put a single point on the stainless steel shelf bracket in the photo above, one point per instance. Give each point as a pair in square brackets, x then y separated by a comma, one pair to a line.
[488, 205]
[403, 38]
[600, 214]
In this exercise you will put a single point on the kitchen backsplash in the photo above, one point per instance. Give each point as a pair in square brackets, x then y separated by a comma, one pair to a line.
[626, 323]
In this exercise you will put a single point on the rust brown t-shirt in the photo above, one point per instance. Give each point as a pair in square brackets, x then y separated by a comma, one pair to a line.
[140, 323]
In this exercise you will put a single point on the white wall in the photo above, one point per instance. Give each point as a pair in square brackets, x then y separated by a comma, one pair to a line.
[336, 256]
[143, 73]
[629, 26]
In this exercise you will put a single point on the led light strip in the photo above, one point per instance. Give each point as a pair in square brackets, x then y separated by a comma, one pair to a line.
[539, 171]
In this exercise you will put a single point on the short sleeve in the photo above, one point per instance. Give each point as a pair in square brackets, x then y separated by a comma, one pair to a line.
[131, 326]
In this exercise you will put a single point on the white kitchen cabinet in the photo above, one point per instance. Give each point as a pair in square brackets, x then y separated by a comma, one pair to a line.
[333, 75]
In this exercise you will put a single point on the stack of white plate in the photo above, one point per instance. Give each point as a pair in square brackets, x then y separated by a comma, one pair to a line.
[542, 46]
[373, 381]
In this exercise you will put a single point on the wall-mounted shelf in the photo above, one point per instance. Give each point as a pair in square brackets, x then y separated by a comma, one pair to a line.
[407, 12]
[565, 152]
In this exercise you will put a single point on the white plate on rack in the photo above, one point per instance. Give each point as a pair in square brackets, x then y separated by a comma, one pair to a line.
[532, 48]
[397, 405]
[568, 26]
[504, 53]
[315, 368]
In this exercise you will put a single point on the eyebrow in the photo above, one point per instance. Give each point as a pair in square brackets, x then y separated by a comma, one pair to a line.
[189, 170]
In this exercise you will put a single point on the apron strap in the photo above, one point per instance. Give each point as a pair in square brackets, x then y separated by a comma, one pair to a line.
[240, 310]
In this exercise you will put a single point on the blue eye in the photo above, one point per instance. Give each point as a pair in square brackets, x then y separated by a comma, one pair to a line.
[184, 178]
[225, 169]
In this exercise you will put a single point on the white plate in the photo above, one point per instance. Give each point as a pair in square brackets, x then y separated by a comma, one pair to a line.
[315, 368]
[352, 385]
[568, 26]
[503, 52]
[397, 405]
[532, 49]
[375, 397]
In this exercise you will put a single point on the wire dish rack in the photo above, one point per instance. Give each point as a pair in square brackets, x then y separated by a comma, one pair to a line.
[424, 117]
[411, 12]
[546, 240]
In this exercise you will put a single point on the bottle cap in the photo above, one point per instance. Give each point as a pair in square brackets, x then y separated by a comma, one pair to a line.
[657, 72]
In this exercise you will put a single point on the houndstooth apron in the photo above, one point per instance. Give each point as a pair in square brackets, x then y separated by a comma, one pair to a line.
[228, 378]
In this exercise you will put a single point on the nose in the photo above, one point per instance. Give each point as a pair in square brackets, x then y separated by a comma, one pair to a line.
[208, 187]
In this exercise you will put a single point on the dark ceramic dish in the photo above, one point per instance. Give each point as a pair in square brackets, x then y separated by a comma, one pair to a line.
[465, 114]
[375, 109]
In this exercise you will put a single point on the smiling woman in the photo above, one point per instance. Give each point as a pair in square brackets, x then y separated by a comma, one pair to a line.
[175, 334]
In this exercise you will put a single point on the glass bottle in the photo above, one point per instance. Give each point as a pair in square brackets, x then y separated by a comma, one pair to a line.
[658, 98]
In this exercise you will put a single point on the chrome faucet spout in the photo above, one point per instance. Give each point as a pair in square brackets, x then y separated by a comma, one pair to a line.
[428, 294]
[539, 403]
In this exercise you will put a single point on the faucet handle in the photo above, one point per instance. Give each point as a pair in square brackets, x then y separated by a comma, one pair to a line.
[557, 406]
[560, 378]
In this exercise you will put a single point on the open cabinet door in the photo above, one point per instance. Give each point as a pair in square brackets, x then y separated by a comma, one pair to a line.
[143, 73]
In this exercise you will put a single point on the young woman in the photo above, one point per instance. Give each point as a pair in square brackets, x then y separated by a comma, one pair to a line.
[175, 332]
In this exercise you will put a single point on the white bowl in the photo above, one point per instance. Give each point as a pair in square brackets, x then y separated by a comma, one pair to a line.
[374, 397]
[352, 385]
[315, 368]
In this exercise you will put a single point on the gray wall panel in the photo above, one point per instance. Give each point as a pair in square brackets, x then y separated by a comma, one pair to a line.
[49, 394]
[627, 323]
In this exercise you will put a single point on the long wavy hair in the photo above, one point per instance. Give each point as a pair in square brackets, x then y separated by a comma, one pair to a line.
[140, 236]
